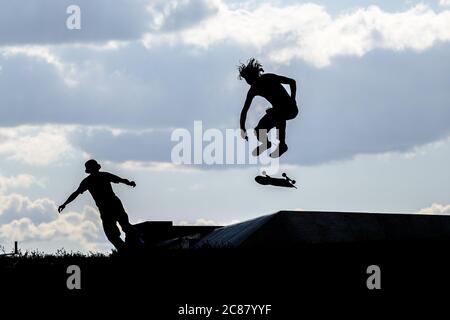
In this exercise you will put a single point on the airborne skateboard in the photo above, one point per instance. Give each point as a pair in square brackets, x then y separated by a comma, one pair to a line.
[278, 182]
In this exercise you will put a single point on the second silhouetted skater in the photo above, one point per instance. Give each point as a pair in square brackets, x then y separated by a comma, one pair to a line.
[98, 183]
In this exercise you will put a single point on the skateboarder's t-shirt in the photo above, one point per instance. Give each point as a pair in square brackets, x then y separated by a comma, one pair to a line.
[99, 186]
[269, 87]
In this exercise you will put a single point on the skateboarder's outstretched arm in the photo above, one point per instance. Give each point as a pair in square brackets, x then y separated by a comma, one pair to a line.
[248, 102]
[72, 197]
[116, 179]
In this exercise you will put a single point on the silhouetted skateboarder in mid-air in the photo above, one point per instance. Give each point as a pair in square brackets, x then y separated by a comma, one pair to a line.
[284, 106]
[98, 183]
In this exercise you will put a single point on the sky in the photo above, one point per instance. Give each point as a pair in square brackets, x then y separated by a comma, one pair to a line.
[373, 132]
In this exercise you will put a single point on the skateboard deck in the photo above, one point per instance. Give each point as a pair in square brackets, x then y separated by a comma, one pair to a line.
[277, 182]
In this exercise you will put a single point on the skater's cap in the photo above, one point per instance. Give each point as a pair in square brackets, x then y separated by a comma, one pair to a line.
[92, 166]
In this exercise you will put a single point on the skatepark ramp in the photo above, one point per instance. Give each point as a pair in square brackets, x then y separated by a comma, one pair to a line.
[296, 228]
[287, 229]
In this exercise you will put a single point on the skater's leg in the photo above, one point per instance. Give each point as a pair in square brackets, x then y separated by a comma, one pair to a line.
[281, 131]
[261, 130]
[122, 218]
[127, 227]
[290, 112]
[132, 234]
[112, 232]
[281, 134]
[266, 123]
[125, 223]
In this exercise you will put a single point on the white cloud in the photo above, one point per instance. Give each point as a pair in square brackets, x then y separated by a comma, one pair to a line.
[19, 181]
[37, 221]
[305, 31]
[65, 70]
[155, 166]
[176, 14]
[206, 222]
[42, 145]
[36, 145]
[436, 209]
[310, 33]
[14, 206]
[83, 228]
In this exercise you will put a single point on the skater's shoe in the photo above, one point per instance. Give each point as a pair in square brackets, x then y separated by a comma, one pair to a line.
[282, 148]
[261, 148]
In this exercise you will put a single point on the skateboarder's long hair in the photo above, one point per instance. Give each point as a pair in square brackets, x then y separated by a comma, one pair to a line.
[253, 69]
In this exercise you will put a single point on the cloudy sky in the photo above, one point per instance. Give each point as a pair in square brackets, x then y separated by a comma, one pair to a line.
[373, 86]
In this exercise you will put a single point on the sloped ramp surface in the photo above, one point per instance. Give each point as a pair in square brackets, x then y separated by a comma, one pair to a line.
[295, 228]
[233, 235]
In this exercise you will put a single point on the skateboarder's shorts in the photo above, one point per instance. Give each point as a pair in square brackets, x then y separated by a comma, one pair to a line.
[283, 113]
[112, 209]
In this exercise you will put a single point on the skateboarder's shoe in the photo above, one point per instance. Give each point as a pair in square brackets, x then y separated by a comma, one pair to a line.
[282, 148]
[261, 148]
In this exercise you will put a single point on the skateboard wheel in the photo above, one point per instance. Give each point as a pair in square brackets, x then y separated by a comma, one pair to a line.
[293, 181]
[284, 174]
[263, 173]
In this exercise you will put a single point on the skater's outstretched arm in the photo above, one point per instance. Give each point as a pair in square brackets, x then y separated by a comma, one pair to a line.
[117, 179]
[292, 85]
[248, 102]
[72, 197]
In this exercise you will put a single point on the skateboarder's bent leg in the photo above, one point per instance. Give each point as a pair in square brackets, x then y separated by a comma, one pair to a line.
[133, 235]
[112, 232]
[290, 113]
[281, 131]
[126, 226]
[122, 219]
[281, 135]
[121, 216]
[267, 122]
